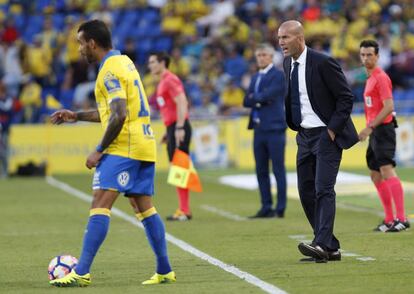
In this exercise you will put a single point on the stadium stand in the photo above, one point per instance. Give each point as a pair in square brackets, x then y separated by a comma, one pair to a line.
[212, 43]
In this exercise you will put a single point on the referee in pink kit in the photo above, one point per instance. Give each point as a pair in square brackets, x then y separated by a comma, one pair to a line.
[380, 129]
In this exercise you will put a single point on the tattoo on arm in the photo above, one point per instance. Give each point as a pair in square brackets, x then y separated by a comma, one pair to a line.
[92, 116]
[116, 122]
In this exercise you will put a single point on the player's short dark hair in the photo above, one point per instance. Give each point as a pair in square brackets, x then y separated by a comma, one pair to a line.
[98, 31]
[162, 56]
[370, 43]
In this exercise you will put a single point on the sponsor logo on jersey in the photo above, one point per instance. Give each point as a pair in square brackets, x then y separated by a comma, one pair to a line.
[112, 84]
[123, 178]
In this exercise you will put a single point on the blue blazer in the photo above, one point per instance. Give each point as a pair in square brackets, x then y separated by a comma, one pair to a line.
[329, 94]
[268, 102]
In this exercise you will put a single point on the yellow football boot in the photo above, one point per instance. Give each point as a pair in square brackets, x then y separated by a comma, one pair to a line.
[161, 279]
[72, 280]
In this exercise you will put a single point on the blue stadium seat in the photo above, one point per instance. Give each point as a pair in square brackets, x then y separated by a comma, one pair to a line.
[33, 26]
[42, 4]
[151, 15]
[154, 31]
[146, 29]
[58, 21]
[60, 5]
[235, 67]
[116, 16]
[399, 95]
[194, 93]
[130, 17]
[20, 21]
[410, 94]
[144, 45]
[163, 44]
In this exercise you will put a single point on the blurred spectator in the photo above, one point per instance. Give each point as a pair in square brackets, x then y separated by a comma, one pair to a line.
[31, 100]
[49, 35]
[179, 65]
[6, 112]
[156, 3]
[235, 30]
[172, 21]
[221, 79]
[231, 100]
[39, 61]
[10, 33]
[235, 65]
[247, 77]
[12, 72]
[211, 40]
[207, 109]
[220, 10]
[130, 49]
[103, 14]
[84, 74]
[402, 67]
[311, 11]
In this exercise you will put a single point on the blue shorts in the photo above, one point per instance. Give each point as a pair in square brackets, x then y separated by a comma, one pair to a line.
[125, 175]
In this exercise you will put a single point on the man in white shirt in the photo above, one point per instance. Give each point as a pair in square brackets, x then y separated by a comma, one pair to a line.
[318, 105]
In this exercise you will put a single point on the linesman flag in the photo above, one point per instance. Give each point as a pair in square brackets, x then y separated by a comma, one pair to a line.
[182, 173]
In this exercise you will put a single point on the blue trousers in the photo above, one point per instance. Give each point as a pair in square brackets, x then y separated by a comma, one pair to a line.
[317, 162]
[270, 146]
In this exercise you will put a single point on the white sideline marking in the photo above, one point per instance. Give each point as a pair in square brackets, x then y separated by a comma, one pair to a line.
[301, 238]
[366, 258]
[223, 213]
[359, 209]
[350, 254]
[249, 278]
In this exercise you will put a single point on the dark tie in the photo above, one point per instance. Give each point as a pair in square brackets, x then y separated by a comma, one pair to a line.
[294, 96]
[255, 112]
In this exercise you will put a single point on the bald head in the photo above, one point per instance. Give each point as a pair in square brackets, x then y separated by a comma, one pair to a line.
[291, 38]
[292, 26]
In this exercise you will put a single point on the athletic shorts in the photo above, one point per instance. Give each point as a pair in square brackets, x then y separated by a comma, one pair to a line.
[184, 146]
[381, 147]
[125, 175]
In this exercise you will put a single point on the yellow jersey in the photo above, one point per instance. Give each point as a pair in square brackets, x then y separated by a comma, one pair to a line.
[119, 79]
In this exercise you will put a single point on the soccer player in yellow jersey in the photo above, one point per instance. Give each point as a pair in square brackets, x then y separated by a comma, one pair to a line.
[124, 159]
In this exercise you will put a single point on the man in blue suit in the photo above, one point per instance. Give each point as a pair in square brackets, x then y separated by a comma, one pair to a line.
[265, 97]
[318, 106]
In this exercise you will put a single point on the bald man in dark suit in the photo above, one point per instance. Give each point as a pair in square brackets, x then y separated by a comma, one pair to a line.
[318, 106]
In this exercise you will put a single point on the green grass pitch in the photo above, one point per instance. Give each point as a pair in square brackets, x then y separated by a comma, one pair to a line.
[38, 221]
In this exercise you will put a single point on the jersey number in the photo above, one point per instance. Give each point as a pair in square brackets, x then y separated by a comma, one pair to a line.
[147, 129]
[143, 111]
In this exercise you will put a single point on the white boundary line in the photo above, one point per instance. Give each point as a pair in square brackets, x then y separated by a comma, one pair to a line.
[351, 207]
[249, 278]
[223, 213]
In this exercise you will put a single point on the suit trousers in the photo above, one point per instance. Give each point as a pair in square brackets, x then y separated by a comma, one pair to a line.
[318, 160]
[270, 146]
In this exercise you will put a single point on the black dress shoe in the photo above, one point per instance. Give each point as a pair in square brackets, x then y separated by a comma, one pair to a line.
[332, 256]
[315, 251]
[263, 214]
[279, 214]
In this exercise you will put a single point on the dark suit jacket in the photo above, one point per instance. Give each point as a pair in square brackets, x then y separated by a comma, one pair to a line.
[268, 101]
[329, 94]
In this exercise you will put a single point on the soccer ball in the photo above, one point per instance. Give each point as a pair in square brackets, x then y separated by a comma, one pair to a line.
[61, 265]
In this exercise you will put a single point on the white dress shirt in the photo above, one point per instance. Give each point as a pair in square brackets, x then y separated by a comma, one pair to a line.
[266, 69]
[309, 118]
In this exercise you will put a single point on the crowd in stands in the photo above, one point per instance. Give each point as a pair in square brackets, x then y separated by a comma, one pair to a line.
[212, 44]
